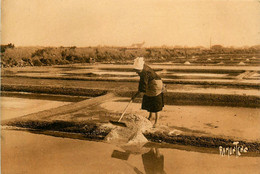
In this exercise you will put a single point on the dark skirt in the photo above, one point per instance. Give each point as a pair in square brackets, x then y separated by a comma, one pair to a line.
[153, 104]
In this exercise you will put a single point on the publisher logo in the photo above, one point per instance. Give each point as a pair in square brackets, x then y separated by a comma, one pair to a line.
[234, 150]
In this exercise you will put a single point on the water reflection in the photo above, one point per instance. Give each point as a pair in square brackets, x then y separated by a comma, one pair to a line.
[120, 155]
[153, 161]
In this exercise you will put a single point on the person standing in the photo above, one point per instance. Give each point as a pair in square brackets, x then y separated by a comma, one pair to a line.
[151, 86]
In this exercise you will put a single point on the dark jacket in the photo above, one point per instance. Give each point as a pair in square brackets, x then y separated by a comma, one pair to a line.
[150, 83]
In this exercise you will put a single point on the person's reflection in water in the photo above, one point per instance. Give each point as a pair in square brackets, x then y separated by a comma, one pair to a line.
[153, 162]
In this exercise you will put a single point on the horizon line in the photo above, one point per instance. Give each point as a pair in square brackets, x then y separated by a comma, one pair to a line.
[129, 46]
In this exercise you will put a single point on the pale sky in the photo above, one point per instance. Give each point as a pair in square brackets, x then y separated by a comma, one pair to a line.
[123, 22]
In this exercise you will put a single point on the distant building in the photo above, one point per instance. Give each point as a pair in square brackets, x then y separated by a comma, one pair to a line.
[137, 45]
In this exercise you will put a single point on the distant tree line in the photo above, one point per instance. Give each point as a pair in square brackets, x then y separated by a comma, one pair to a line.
[45, 56]
[4, 47]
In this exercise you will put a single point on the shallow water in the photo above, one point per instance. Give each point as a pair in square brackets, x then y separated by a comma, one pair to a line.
[12, 107]
[105, 70]
[24, 152]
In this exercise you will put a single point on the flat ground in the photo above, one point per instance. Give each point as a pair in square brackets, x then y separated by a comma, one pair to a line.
[236, 122]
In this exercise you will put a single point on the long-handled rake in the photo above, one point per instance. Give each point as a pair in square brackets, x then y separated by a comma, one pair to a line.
[118, 123]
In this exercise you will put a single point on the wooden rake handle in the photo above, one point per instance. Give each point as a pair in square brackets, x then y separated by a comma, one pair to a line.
[125, 110]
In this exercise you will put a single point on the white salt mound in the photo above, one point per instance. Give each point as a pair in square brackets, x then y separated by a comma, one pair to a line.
[174, 132]
[187, 63]
[142, 123]
[133, 133]
[241, 63]
[138, 138]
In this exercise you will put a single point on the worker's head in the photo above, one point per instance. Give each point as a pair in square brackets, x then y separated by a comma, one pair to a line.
[138, 64]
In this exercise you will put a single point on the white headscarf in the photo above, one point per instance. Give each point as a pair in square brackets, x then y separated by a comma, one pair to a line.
[139, 63]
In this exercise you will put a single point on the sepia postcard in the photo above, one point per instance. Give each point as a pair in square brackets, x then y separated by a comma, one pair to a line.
[130, 87]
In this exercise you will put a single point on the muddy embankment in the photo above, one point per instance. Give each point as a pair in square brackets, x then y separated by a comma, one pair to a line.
[95, 131]
[176, 80]
[171, 97]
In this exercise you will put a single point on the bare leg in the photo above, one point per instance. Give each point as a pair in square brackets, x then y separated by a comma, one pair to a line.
[150, 116]
[156, 119]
